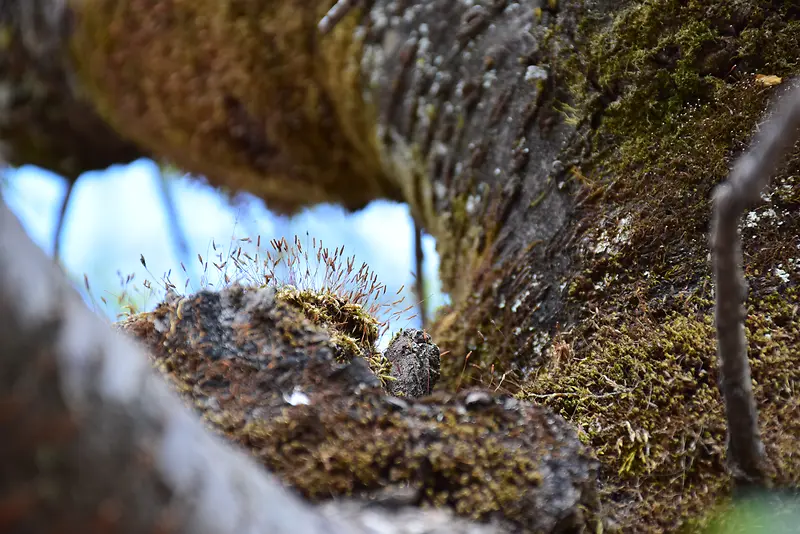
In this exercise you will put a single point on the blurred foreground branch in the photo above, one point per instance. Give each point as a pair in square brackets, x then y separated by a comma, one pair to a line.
[92, 437]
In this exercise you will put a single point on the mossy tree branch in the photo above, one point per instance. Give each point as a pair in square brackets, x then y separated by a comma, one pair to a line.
[749, 177]
[46, 119]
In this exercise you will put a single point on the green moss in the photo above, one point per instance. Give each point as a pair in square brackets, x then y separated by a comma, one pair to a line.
[342, 465]
[248, 94]
[673, 84]
[470, 333]
[644, 395]
[353, 331]
[458, 236]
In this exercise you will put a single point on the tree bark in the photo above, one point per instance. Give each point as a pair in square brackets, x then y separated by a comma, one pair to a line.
[562, 154]
[46, 121]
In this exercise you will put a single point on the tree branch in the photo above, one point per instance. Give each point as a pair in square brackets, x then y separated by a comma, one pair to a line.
[46, 119]
[750, 175]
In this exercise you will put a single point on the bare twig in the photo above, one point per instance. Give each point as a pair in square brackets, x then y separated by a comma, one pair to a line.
[174, 220]
[419, 282]
[62, 217]
[339, 10]
[178, 235]
[749, 176]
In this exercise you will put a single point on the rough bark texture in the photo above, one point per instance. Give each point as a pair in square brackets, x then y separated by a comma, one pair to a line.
[416, 364]
[562, 154]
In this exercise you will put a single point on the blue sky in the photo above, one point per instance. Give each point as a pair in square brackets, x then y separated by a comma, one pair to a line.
[118, 214]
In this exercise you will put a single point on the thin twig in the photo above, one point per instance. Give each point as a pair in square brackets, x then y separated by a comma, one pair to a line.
[749, 176]
[173, 218]
[62, 217]
[336, 13]
[419, 283]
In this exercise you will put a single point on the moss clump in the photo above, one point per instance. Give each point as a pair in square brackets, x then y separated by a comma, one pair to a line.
[264, 375]
[248, 94]
[480, 463]
[644, 395]
[353, 465]
[674, 85]
[354, 332]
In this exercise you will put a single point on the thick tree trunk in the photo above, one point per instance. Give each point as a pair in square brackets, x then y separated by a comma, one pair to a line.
[563, 155]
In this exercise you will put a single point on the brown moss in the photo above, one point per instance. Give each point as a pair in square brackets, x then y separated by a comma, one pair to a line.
[474, 335]
[248, 94]
[491, 478]
[490, 336]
